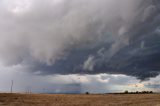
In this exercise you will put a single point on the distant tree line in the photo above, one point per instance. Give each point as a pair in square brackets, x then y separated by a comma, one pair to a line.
[138, 92]
[127, 92]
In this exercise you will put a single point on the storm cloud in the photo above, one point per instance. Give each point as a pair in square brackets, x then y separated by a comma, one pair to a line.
[81, 37]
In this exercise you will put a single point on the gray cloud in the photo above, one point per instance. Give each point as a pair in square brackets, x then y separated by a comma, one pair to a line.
[58, 37]
[99, 83]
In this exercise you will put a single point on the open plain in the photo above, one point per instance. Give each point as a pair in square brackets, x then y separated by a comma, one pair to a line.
[79, 100]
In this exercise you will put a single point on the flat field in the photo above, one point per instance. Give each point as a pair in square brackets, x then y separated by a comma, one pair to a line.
[79, 100]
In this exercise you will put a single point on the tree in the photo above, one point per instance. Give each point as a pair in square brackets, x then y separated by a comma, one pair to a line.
[151, 92]
[87, 93]
[126, 91]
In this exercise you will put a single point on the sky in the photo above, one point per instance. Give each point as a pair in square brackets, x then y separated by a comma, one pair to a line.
[75, 46]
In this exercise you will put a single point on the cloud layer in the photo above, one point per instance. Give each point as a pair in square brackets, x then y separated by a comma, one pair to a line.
[81, 37]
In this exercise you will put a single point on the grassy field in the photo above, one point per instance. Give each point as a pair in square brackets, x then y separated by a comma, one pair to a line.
[79, 100]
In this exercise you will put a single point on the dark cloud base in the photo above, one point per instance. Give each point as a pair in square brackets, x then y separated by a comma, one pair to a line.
[131, 60]
[141, 58]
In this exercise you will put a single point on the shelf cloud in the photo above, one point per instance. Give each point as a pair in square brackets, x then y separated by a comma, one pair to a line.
[82, 37]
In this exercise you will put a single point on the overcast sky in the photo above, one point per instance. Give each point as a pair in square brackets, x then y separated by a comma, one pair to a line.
[74, 46]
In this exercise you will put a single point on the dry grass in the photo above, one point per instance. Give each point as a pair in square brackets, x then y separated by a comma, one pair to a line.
[79, 100]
